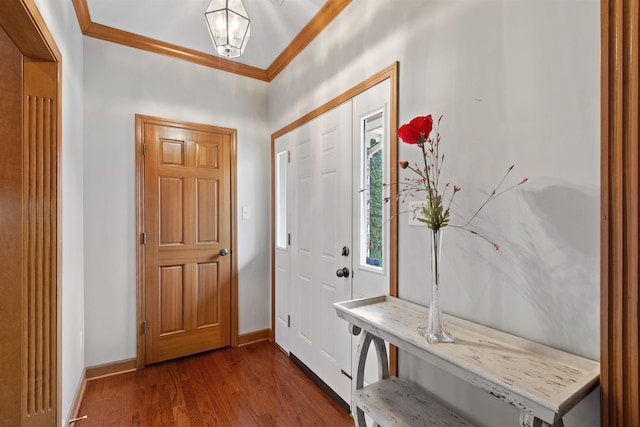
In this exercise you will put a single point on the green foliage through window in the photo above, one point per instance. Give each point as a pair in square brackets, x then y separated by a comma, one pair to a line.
[375, 209]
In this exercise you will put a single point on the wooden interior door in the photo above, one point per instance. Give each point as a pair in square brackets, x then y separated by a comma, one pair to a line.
[10, 227]
[188, 251]
[29, 219]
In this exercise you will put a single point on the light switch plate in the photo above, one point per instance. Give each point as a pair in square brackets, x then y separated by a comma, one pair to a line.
[246, 212]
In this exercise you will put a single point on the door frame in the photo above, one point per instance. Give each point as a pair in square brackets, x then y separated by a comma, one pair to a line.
[141, 121]
[619, 213]
[391, 72]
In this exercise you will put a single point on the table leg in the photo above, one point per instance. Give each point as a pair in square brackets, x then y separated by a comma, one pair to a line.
[361, 360]
[528, 420]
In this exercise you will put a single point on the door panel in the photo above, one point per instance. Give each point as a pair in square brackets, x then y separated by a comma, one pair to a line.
[11, 234]
[171, 301]
[370, 280]
[188, 222]
[171, 211]
[207, 286]
[321, 226]
[207, 196]
[281, 234]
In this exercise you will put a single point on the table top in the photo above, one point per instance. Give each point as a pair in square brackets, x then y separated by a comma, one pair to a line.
[537, 379]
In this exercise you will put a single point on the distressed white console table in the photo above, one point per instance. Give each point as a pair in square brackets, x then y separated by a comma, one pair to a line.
[543, 382]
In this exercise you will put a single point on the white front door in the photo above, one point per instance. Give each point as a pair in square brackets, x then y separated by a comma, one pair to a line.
[320, 226]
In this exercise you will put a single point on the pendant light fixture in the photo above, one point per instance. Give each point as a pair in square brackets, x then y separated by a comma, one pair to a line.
[229, 26]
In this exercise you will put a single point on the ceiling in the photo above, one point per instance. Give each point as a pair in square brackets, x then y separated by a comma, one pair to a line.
[181, 23]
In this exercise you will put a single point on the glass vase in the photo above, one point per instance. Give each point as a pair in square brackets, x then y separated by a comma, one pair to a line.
[435, 331]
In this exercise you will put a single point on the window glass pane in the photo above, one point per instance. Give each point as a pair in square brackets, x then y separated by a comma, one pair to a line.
[281, 200]
[372, 207]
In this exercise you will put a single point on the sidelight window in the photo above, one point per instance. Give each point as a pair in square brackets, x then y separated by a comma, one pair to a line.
[372, 206]
[282, 159]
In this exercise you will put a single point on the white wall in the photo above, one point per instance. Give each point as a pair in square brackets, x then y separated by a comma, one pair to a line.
[61, 21]
[517, 82]
[120, 82]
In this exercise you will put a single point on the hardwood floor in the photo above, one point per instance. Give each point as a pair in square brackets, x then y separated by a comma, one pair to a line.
[255, 385]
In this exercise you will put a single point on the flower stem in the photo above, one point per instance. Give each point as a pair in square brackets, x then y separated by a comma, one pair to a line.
[494, 194]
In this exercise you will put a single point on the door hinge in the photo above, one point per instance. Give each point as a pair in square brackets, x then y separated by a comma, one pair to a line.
[288, 156]
[288, 320]
[289, 239]
[144, 327]
[346, 374]
[144, 149]
[144, 238]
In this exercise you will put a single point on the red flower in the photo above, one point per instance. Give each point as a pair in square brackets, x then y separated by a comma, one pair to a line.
[417, 130]
[403, 164]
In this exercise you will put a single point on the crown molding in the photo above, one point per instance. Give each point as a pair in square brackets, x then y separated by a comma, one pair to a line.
[148, 44]
[82, 13]
[325, 15]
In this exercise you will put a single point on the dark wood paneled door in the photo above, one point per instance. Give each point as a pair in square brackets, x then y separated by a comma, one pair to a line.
[187, 221]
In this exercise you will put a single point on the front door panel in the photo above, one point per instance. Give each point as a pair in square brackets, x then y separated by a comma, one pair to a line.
[321, 226]
[188, 223]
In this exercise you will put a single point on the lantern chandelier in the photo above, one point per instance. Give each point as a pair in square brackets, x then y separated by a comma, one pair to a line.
[229, 26]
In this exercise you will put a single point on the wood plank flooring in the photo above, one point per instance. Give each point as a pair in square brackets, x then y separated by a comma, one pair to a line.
[255, 385]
